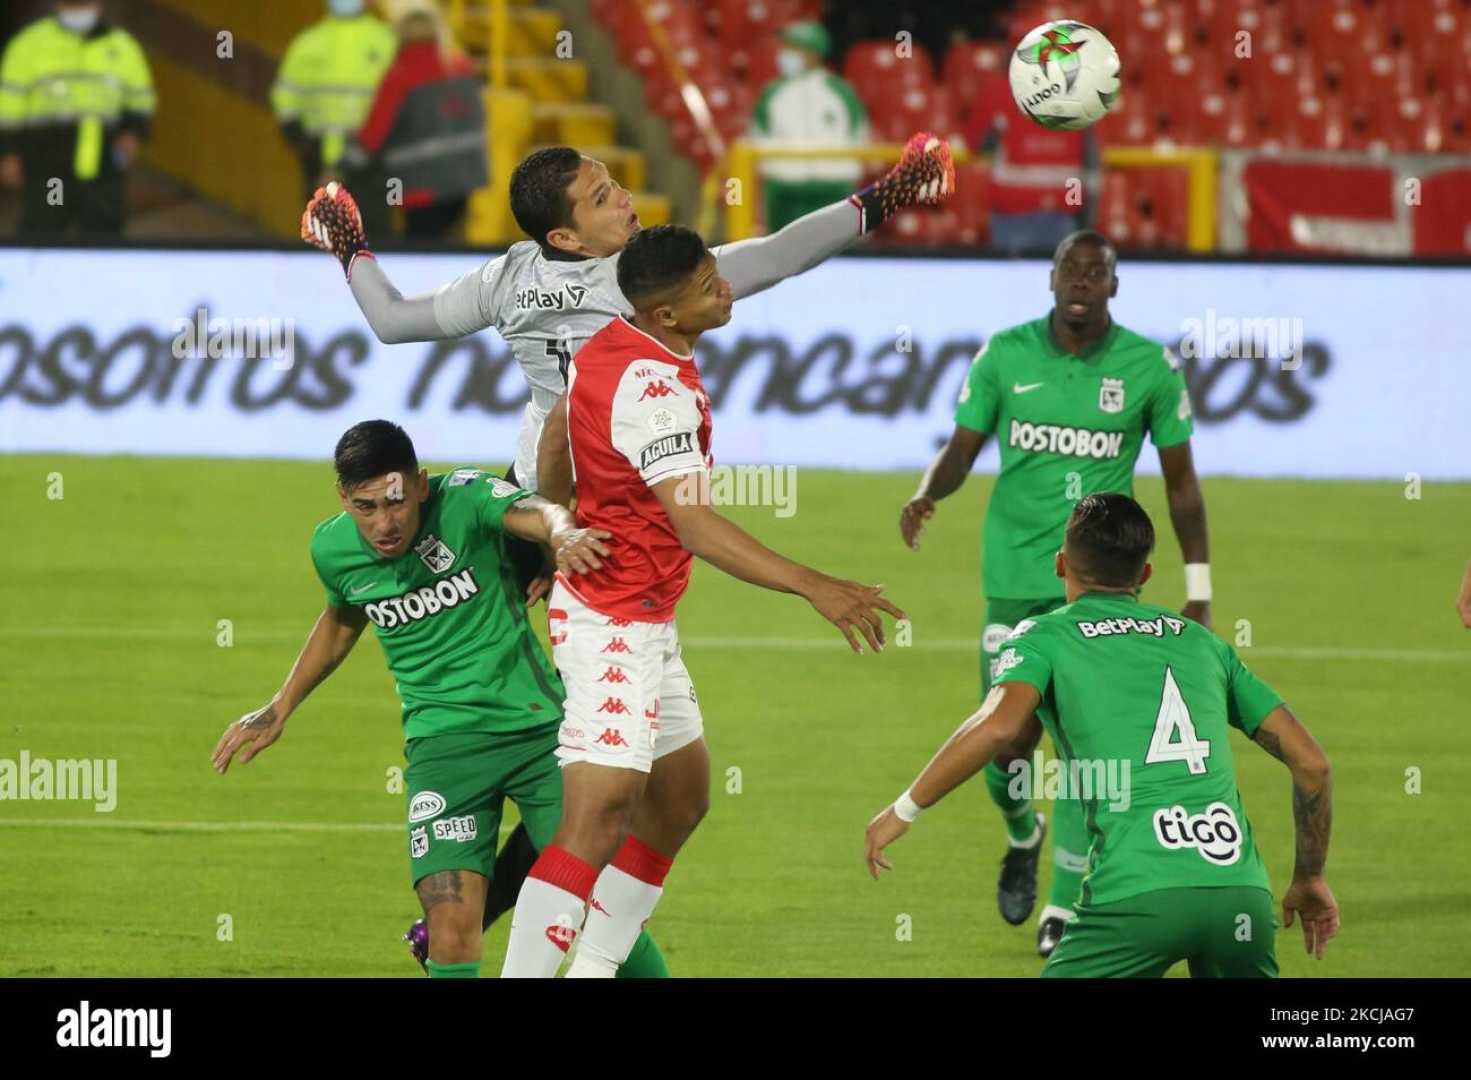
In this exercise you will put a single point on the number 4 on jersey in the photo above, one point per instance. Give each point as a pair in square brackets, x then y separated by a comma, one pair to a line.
[1175, 717]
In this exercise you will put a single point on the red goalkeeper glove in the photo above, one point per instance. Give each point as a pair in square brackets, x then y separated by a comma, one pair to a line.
[925, 174]
[332, 222]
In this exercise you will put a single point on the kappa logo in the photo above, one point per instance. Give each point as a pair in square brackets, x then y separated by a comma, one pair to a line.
[614, 675]
[660, 389]
[1111, 395]
[561, 935]
[425, 805]
[615, 706]
[617, 645]
[611, 738]
[613, 620]
[435, 554]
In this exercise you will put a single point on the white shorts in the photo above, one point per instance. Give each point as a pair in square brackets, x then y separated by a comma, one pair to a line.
[629, 698]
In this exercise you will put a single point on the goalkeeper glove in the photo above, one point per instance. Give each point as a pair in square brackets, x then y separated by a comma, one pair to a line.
[332, 222]
[925, 174]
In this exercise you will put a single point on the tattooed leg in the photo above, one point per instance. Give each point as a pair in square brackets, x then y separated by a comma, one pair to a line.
[453, 901]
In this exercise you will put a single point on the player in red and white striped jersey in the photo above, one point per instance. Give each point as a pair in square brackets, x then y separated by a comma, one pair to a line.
[636, 772]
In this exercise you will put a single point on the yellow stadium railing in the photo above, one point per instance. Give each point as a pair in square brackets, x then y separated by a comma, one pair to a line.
[742, 161]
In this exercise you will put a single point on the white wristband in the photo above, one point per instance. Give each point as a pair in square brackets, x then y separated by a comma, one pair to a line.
[1198, 581]
[906, 809]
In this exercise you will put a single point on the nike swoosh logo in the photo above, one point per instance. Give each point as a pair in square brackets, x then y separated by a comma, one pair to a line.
[361, 589]
[1018, 388]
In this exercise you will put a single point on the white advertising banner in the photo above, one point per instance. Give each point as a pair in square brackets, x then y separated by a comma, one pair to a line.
[1294, 370]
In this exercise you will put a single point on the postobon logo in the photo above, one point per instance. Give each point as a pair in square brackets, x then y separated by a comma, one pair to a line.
[1215, 834]
[423, 602]
[1054, 439]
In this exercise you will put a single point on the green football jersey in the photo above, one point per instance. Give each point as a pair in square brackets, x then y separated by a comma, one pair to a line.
[1138, 700]
[448, 612]
[1068, 426]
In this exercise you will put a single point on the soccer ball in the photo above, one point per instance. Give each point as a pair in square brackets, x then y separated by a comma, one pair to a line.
[1065, 75]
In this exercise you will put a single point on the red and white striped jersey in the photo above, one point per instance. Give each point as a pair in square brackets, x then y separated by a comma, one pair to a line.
[637, 414]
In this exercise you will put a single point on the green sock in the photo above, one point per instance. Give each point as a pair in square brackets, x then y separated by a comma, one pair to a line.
[454, 971]
[1069, 853]
[1021, 818]
[645, 961]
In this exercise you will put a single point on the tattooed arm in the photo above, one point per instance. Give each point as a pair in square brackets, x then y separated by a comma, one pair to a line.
[1309, 897]
[332, 638]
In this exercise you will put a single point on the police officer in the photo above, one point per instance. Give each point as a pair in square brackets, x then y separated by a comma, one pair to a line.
[76, 101]
[324, 90]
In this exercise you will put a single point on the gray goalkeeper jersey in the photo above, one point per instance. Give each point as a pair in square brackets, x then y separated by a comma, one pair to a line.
[545, 309]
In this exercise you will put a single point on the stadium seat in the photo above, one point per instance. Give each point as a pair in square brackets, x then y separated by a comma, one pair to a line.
[972, 203]
[970, 69]
[902, 112]
[875, 71]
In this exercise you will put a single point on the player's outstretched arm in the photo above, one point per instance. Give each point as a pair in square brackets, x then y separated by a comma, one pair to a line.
[1463, 602]
[925, 174]
[1007, 717]
[1309, 897]
[332, 222]
[1187, 514]
[944, 477]
[336, 631]
[554, 457]
[726, 546]
[575, 550]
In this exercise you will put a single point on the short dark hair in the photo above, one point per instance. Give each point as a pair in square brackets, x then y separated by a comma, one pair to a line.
[1085, 236]
[374, 448]
[539, 199]
[1109, 538]
[657, 259]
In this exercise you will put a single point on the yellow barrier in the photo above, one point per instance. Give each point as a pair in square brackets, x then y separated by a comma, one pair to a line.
[1200, 229]
[742, 160]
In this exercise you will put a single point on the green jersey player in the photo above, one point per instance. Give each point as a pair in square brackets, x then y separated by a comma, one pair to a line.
[1136, 693]
[1070, 398]
[424, 560]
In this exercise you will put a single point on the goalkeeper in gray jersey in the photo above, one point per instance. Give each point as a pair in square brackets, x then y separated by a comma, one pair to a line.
[549, 294]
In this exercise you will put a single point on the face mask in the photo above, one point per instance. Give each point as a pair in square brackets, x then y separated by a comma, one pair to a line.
[790, 62]
[345, 9]
[79, 20]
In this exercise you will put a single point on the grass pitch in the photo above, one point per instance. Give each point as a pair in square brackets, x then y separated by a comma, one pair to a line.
[110, 647]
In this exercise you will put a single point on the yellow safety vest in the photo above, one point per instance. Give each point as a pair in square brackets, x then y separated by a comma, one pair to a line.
[53, 76]
[329, 77]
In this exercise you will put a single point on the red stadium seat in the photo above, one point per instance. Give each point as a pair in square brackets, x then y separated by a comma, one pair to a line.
[875, 69]
[972, 203]
[900, 114]
[971, 68]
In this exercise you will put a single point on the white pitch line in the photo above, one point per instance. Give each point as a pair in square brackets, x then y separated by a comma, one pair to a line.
[1306, 652]
[971, 645]
[211, 826]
